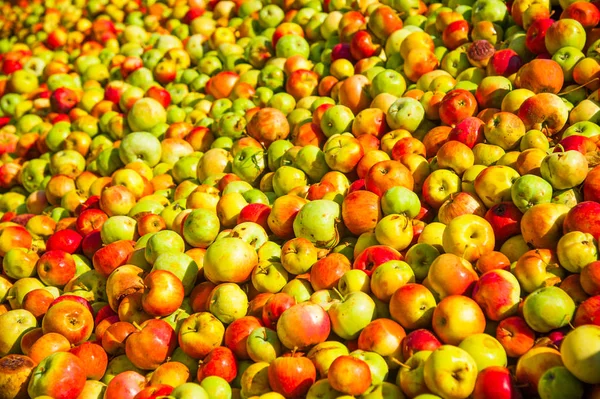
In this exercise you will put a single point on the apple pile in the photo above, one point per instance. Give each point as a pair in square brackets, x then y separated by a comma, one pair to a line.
[299, 199]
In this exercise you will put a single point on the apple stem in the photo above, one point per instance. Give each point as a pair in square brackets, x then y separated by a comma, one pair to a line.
[339, 293]
[398, 362]
[136, 325]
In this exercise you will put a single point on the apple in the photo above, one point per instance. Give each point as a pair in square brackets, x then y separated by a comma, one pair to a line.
[349, 375]
[548, 308]
[15, 372]
[373, 256]
[190, 390]
[575, 250]
[216, 387]
[60, 375]
[498, 293]
[544, 232]
[469, 236]
[559, 382]
[582, 217]
[199, 334]
[496, 381]
[303, 325]
[228, 302]
[291, 376]
[229, 259]
[263, 345]
[151, 344]
[322, 231]
[361, 211]
[450, 274]
[450, 372]
[298, 255]
[125, 385]
[411, 378]
[350, 315]
[164, 293]
[529, 190]
[578, 359]
[457, 317]
[219, 362]
[485, 350]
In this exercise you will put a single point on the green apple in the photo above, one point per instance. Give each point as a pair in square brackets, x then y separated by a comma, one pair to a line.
[252, 233]
[164, 241]
[354, 280]
[419, 257]
[20, 263]
[548, 308]
[23, 81]
[118, 228]
[16, 323]
[228, 302]
[286, 178]
[582, 360]
[299, 288]
[337, 120]
[350, 315]
[400, 200]
[190, 390]
[322, 390]
[485, 350]
[529, 190]
[385, 390]
[140, 146]
[450, 372]
[411, 378]
[405, 113]
[255, 380]
[200, 228]
[269, 276]
[558, 382]
[217, 387]
[275, 152]
[311, 160]
[263, 345]
[575, 250]
[318, 221]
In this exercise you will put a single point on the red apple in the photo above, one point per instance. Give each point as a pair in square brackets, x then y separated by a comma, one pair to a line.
[371, 257]
[125, 385]
[584, 217]
[419, 340]
[292, 376]
[496, 382]
[93, 358]
[505, 219]
[219, 362]
[151, 344]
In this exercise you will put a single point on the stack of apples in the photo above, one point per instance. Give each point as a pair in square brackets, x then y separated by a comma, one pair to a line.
[299, 199]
